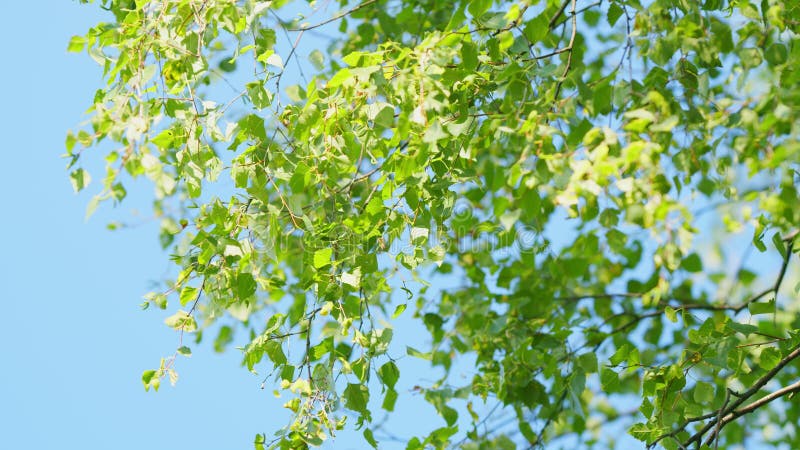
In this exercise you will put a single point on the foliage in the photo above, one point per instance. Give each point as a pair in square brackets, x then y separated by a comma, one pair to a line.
[590, 176]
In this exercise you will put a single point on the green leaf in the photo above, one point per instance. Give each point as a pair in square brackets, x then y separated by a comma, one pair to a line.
[744, 328]
[536, 29]
[419, 234]
[588, 362]
[381, 113]
[245, 286]
[76, 44]
[389, 374]
[609, 379]
[614, 13]
[341, 77]
[776, 54]
[181, 320]
[370, 438]
[389, 400]
[91, 207]
[275, 353]
[769, 358]
[322, 257]
[458, 18]
[434, 133]
[777, 241]
[767, 307]
[509, 218]
[185, 351]
[759, 244]
[758, 237]
[399, 310]
[703, 393]
[671, 314]
[259, 94]
[352, 278]
[602, 98]
[317, 59]
[79, 179]
[150, 379]
[224, 337]
[621, 355]
[450, 415]
[164, 139]
[356, 398]
[295, 93]
[469, 56]
[259, 442]
[692, 263]
[188, 294]
[478, 7]
[418, 354]
[69, 143]
[253, 126]
[228, 65]
[374, 207]
[274, 59]
[265, 41]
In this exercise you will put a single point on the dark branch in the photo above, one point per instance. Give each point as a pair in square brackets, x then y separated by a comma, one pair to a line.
[730, 411]
[569, 52]
[554, 19]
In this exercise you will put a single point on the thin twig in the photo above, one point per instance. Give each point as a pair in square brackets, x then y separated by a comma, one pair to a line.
[283, 200]
[719, 417]
[550, 418]
[558, 14]
[569, 53]
[334, 18]
[580, 11]
[283, 69]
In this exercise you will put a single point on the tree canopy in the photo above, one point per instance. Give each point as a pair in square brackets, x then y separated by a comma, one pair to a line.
[590, 207]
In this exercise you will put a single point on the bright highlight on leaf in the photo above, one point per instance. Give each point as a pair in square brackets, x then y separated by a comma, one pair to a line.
[79, 179]
[181, 321]
[322, 257]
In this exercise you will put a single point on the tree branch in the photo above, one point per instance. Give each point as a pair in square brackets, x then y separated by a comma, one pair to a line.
[334, 18]
[777, 286]
[729, 413]
[569, 53]
[794, 387]
[558, 14]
